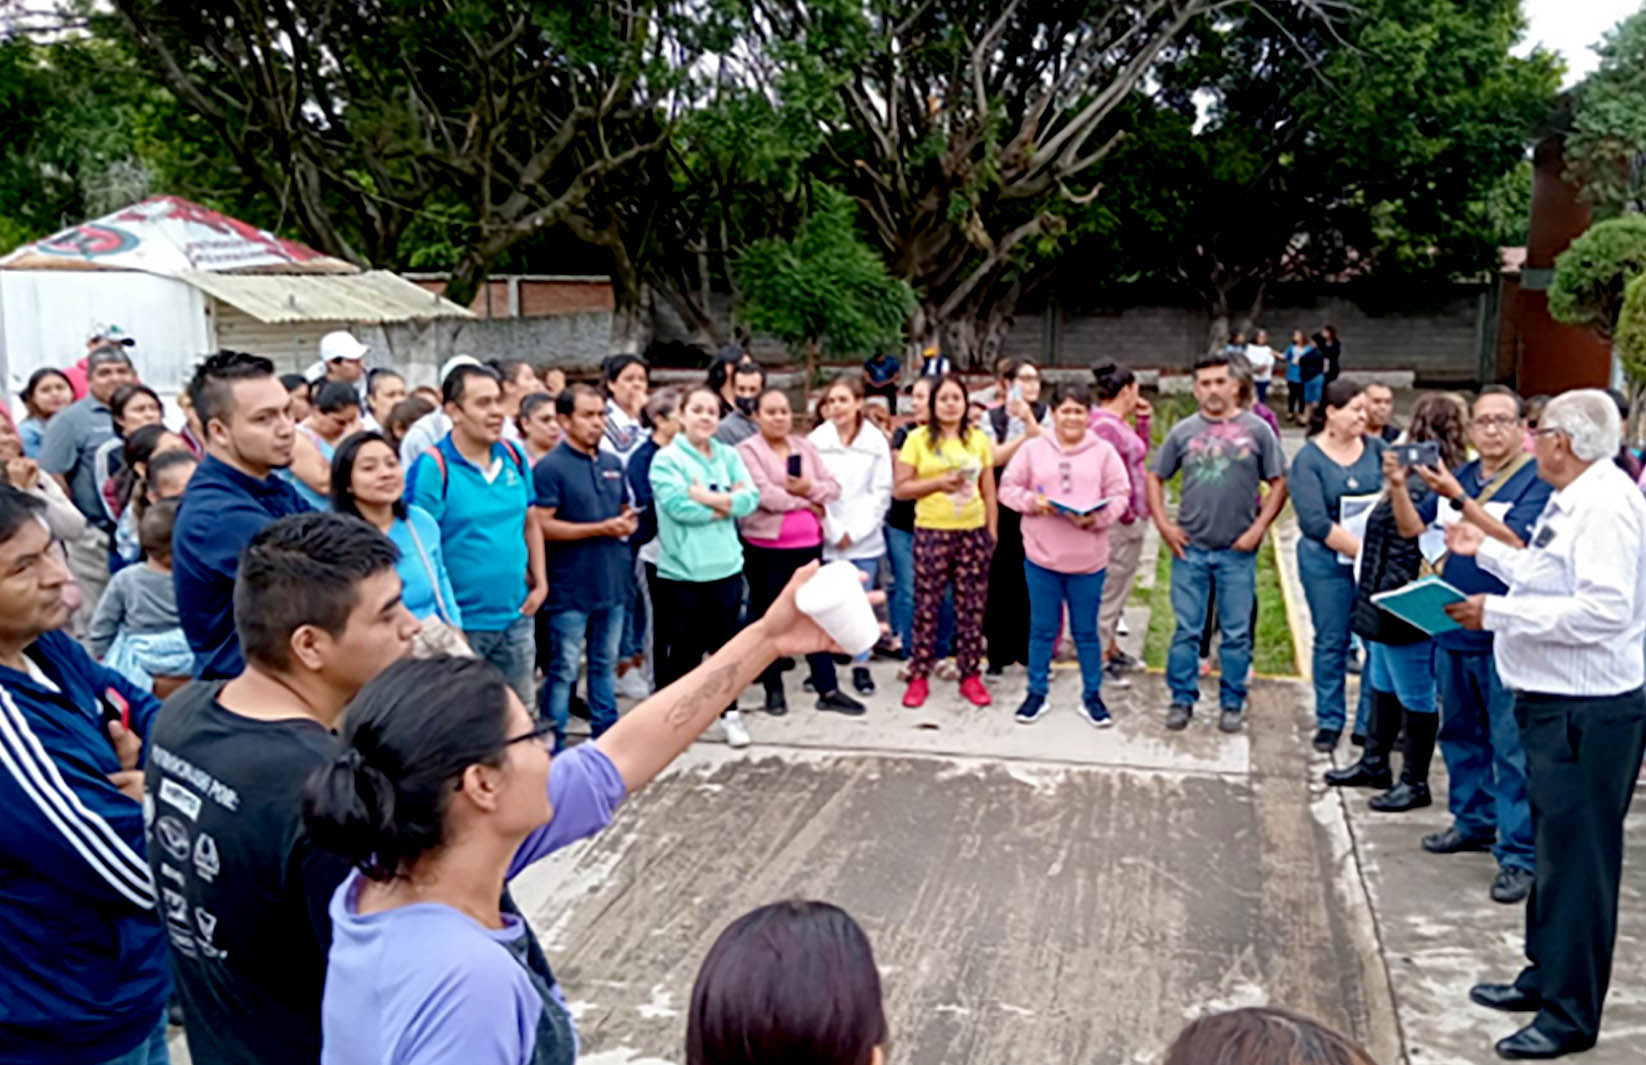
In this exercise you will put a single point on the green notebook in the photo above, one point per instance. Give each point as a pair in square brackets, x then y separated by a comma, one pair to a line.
[1422, 603]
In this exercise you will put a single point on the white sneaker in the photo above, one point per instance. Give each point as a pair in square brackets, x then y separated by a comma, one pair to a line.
[731, 725]
[632, 685]
[1121, 628]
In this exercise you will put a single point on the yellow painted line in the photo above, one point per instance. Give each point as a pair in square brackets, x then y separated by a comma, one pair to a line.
[1293, 614]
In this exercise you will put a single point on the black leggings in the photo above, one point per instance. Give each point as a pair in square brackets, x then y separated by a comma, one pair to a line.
[1294, 397]
[693, 619]
[768, 570]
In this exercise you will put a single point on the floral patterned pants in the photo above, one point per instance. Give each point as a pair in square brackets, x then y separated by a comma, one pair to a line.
[943, 557]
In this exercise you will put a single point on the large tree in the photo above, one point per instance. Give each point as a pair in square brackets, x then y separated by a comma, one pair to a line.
[1606, 149]
[484, 122]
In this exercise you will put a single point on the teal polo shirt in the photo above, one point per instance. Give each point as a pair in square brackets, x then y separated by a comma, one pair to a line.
[482, 530]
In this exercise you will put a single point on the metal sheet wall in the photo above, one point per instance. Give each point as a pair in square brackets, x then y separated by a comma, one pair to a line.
[293, 347]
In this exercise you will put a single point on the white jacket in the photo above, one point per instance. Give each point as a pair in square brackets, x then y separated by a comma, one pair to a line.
[864, 470]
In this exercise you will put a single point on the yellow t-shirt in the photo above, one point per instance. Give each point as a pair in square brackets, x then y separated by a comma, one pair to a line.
[948, 510]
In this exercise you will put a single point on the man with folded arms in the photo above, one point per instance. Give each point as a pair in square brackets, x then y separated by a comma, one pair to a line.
[1567, 639]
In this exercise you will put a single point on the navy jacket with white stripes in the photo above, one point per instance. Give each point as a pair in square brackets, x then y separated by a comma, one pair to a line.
[83, 966]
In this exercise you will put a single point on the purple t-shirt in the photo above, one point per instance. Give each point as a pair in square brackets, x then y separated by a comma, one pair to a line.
[426, 984]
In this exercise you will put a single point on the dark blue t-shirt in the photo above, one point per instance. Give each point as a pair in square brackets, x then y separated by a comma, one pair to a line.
[583, 574]
[1527, 495]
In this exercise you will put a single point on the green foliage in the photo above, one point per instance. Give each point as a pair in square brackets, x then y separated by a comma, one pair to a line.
[824, 287]
[1630, 337]
[1591, 274]
[1606, 149]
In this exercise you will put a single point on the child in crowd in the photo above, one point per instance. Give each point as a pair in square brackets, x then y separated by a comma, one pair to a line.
[136, 631]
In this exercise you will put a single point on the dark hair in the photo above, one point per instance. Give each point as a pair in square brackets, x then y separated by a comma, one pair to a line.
[17, 507]
[792, 982]
[1440, 416]
[407, 736]
[162, 462]
[744, 369]
[139, 448]
[851, 384]
[566, 402]
[35, 380]
[1502, 390]
[1534, 408]
[104, 353]
[294, 381]
[720, 371]
[1210, 362]
[528, 407]
[1262, 1035]
[303, 569]
[125, 394]
[1078, 391]
[402, 415]
[154, 529]
[342, 473]
[934, 432]
[211, 389]
[614, 366]
[1621, 402]
[508, 369]
[1111, 380]
[1338, 395]
[456, 382]
[1015, 366]
[768, 390]
[334, 396]
[380, 373]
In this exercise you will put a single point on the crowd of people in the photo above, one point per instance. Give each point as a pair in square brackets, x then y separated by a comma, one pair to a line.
[453, 568]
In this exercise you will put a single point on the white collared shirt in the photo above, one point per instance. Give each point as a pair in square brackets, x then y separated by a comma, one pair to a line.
[863, 469]
[1574, 617]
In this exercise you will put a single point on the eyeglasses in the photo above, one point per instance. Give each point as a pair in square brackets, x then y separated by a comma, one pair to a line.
[543, 735]
[1546, 431]
[1495, 421]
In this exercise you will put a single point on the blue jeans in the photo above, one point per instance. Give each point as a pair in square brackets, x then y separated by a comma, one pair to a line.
[151, 1051]
[900, 553]
[1480, 741]
[602, 630]
[1329, 587]
[634, 615]
[871, 566]
[1234, 575]
[1407, 671]
[1048, 591]
[513, 651]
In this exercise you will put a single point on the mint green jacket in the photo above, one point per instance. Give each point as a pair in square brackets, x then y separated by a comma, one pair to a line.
[694, 542]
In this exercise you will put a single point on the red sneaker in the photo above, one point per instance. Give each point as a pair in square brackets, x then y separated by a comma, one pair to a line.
[916, 694]
[974, 691]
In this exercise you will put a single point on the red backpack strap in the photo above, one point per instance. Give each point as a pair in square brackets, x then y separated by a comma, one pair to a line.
[518, 456]
[439, 461]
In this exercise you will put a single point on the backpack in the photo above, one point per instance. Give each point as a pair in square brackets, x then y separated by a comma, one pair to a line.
[439, 458]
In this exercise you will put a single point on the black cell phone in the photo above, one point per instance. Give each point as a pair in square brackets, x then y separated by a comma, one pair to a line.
[794, 465]
[1424, 454]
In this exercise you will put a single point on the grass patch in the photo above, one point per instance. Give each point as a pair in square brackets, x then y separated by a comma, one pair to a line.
[1272, 643]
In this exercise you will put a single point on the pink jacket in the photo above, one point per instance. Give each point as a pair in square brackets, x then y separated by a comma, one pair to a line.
[770, 472]
[1080, 476]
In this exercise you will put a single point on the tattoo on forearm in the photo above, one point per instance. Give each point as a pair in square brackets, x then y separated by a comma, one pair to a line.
[713, 692]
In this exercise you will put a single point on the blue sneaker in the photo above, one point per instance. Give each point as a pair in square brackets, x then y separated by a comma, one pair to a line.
[1097, 715]
[1033, 709]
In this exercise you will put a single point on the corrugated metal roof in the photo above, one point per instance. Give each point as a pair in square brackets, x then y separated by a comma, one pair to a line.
[374, 296]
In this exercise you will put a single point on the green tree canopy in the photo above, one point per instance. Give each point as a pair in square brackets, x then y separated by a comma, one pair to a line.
[1591, 275]
[1606, 149]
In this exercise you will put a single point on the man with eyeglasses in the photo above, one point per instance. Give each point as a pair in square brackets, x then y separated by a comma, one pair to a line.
[1501, 494]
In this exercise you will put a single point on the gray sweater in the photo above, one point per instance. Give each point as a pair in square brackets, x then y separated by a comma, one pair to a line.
[139, 600]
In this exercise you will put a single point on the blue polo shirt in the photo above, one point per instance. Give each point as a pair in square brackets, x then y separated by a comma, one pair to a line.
[1527, 494]
[482, 529]
[220, 513]
[590, 574]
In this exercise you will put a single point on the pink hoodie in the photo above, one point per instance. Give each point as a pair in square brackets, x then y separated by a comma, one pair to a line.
[1092, 470]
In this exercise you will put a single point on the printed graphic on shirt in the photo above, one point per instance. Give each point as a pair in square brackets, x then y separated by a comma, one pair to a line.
[1215, 450]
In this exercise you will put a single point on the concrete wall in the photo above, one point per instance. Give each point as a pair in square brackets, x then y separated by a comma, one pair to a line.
[575, 341]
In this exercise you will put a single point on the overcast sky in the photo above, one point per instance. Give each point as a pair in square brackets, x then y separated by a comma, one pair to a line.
[1571, 26]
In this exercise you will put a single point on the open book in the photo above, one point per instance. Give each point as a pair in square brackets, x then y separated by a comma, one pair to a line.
[1422, 603]
[1069, 511]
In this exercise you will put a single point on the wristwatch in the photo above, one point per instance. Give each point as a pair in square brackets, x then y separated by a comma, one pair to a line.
[1457, 503]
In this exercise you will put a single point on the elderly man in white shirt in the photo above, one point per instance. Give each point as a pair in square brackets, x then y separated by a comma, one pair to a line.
[1569, 642]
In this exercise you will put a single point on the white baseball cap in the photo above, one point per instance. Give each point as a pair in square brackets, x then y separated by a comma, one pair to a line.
[453, 363]
[341, 345]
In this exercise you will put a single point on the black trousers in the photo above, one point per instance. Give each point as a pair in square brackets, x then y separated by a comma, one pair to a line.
[693, 619]
[1582, 757]
[1006, 617]
[768, 571]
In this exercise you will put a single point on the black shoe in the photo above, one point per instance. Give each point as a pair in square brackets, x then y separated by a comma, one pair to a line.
[174, 1012]
[1531, 1043]
[1452, 841]
[862, 680]
[840, 703]
[1403, 796]
[577, 707]
[1326, 739]
[1365, 773]
[1513, 884]
[807, 686]
[785, 663]
[1231, 718]
[995, 670]
[1357, 739]
[1504, 997]
[1033, 709]
[1351, 662]
[1177, 718]
[776, 703]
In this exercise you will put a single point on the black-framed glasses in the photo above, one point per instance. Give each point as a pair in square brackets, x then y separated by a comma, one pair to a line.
[543, 734]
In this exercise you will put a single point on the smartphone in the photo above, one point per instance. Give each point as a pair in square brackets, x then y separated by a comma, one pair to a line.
[794, 465]
[1015, 393]
[1424, 454]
